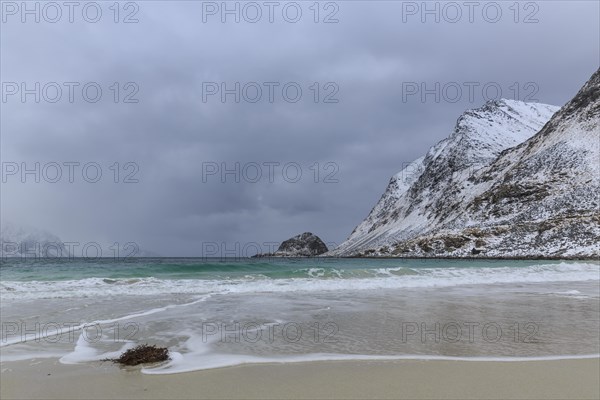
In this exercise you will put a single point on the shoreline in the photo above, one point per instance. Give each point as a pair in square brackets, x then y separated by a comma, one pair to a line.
[527, 258]
[567, 378]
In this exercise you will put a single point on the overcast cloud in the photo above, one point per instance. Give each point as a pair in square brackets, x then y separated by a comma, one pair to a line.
[172, 133]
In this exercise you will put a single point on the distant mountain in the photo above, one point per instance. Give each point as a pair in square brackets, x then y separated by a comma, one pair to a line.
[29, 242]
[303, 245]
[17, 241]
[513, 180]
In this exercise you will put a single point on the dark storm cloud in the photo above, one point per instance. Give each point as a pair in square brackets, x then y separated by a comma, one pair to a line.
[171, 133]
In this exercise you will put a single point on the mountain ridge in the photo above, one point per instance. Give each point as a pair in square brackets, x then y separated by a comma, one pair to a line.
[475, 193]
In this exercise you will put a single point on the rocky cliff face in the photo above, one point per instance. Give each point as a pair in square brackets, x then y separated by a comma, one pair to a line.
[504, 184]
[303, 245]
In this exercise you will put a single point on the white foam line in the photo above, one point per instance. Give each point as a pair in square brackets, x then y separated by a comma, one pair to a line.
[426, 278]
[99, 322]
[22, 357]
[166, 369]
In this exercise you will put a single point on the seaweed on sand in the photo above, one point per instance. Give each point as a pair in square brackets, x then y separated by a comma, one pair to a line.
[142, 354]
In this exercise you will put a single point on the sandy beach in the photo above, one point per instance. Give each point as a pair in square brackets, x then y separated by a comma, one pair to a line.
[414, 379]
[362, 329]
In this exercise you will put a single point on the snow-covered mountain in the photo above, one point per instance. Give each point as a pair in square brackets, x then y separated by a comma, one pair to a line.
[17, 241]
[30, 242]
[512, 180]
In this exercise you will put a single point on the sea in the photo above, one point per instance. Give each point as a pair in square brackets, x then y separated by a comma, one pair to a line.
[213, 313]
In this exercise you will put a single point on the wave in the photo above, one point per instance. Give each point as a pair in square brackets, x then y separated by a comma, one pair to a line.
[305, 279]
[67, 330]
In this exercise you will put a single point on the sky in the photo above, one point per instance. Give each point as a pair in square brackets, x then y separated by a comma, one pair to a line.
[196, 128]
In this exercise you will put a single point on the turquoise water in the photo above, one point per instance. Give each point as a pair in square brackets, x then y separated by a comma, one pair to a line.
[219, 312]
[20, 269]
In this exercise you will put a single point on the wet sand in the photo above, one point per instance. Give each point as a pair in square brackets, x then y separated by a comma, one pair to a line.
[415, 379]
